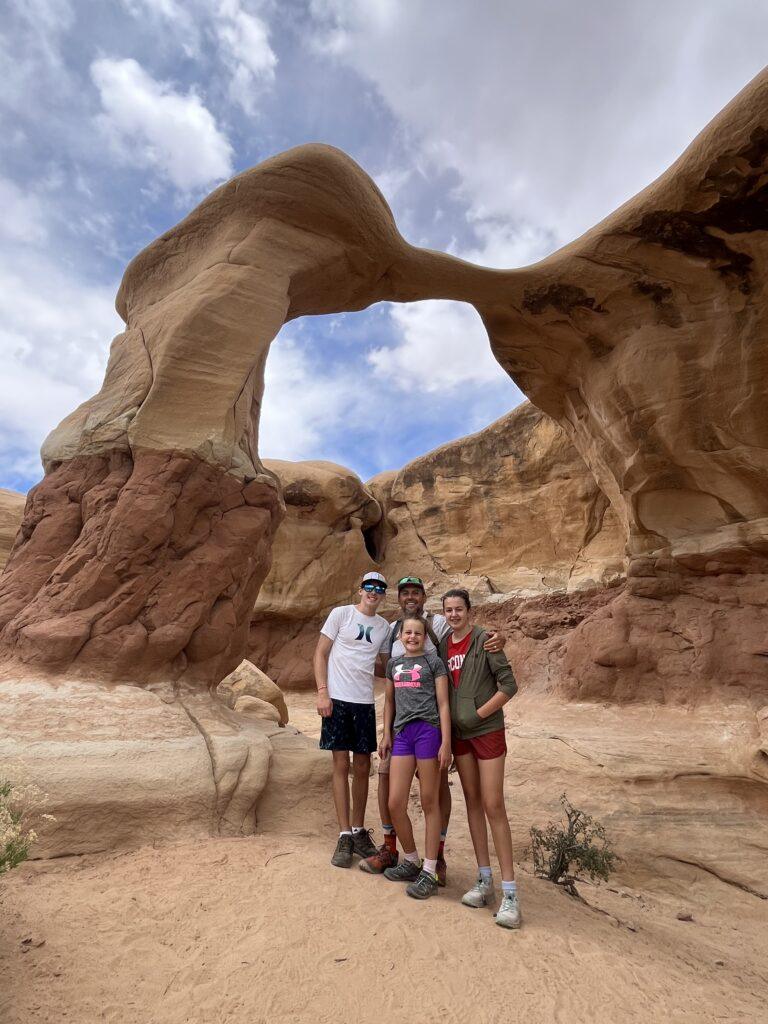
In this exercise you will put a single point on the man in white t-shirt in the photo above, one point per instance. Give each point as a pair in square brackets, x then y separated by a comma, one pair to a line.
[345, 661]
[411, 596]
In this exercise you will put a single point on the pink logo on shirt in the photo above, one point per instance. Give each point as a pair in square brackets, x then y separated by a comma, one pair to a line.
[407, 676]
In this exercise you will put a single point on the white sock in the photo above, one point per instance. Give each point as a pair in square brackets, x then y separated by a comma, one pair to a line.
[430, 866]
[344, 832]
[357, 828]
[509, 887]
[485, 873]
[414, 857]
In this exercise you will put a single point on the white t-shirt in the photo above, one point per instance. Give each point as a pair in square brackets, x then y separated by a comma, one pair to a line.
[439, 626]
[357, 641]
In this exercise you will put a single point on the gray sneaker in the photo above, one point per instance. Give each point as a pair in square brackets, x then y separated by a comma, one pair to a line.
[426, 885]
[363, 843]
[406, 871]
[342, 855]
[508, 915]
[480, 895]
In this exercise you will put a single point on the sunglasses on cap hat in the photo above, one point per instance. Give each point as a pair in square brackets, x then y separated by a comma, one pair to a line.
[410, 581]
[374, 588]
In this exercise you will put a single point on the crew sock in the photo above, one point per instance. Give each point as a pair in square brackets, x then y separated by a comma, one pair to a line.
[485, 874]
[414, 857]
[430, 866]
[509, 888]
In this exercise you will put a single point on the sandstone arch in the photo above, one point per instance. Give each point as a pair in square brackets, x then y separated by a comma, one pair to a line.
[143, 548]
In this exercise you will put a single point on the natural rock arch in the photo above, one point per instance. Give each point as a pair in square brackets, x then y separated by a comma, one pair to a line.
[143, 549]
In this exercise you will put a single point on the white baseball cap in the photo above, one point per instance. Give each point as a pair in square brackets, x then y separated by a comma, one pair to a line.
[374, 577]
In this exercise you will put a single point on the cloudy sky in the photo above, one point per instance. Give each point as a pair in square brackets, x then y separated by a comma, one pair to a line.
[497, 129]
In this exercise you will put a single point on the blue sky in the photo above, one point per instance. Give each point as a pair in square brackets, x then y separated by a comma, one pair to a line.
[498, 130]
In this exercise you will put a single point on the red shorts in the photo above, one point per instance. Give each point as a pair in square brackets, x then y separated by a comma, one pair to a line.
[482, 748]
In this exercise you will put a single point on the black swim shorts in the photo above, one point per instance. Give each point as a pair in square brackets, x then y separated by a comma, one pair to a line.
[350, 727]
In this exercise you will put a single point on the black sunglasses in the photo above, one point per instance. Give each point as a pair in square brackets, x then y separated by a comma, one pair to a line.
[375, 588]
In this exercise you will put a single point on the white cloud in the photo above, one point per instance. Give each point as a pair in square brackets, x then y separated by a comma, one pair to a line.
[552, 114]
[302, 407]
[55, 332]
[442, 346]
[23, 217]
[151, 125]
[244, 41]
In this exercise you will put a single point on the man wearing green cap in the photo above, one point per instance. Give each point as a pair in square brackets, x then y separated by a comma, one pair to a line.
[411, 597]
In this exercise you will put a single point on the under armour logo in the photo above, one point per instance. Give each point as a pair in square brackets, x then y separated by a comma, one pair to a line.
[364, 632]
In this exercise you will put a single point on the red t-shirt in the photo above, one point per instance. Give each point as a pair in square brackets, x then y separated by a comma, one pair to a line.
[456, 655]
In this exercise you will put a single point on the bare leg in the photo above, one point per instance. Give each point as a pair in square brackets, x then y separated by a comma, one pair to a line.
[400, 778]
[361, 771]
[383, 797]
[470, 784]
[341, 788]
[429, 787]
[445, 800]
[492, 790]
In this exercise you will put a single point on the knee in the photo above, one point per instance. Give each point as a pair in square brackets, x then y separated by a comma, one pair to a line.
[361, 768]
[494, 807]
[430, 803]
[397, 805]
[341, 767]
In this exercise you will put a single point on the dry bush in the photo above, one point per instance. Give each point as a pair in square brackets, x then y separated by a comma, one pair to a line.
[566, 851]
[20, 808]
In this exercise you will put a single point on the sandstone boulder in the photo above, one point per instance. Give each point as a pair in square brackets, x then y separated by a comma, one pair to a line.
[249, 681]
[257, 708]
[11, 512]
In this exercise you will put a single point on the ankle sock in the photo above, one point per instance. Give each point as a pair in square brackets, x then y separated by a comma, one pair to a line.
[414, 857]
[509, 888]
[430, 866]
[485, 873]
[345, 832]
[357, 828]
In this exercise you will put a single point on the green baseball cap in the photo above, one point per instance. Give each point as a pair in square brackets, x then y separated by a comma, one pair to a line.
[410, 581]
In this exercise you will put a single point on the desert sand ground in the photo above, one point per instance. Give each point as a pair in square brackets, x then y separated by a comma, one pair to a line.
[264, 929]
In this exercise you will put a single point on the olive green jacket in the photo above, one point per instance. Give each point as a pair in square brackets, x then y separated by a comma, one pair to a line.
[482, 676]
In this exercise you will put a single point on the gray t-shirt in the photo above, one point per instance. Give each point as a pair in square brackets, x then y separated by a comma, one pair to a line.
[415, 693]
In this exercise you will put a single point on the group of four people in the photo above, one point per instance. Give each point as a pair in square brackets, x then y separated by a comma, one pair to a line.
[447, 682]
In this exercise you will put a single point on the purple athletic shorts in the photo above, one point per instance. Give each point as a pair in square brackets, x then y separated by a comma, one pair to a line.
[417, 739]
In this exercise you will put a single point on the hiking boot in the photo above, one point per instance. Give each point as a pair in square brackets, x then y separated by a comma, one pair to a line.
[426, 885]
[342, 855]
[363, 843]
[406, 871]
[480, 895]
[381, 860]
[508, 915]
[441, 871]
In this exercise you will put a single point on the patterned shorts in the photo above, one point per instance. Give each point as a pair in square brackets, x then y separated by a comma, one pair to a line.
[349, 727]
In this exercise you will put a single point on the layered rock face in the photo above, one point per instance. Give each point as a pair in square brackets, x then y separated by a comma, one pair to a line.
[512, 508]
[11, 511]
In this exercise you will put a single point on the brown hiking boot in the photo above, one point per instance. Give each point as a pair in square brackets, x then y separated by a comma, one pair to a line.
[342, 855]
[381, 860]
[441, 870]
[363, 843]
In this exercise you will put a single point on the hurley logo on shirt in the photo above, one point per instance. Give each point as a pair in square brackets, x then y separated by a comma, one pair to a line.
[364, 632]
[407, 676]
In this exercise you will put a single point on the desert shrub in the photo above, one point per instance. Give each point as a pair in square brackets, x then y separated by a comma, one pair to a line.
[20, 807]
[566, 851]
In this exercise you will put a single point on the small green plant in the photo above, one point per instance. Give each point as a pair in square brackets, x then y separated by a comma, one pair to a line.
[565, 851]
[19, 805]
